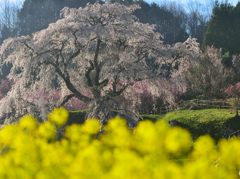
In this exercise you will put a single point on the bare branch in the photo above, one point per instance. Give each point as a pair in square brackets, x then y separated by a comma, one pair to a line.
[69, 84]
[66, 99]
[88, 73]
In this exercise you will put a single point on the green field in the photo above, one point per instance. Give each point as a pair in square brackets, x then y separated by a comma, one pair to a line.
[216, 122]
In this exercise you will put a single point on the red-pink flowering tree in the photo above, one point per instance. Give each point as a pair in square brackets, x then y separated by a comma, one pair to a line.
[152, 95]
[234, 91]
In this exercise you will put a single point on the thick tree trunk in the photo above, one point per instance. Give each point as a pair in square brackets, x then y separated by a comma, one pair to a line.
[104, 110]
[101, 110]
[237, 102]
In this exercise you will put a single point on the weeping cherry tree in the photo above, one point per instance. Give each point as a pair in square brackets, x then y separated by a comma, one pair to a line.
[93, 54]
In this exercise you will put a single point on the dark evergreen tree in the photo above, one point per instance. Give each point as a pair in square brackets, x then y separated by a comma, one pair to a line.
[38, 14]
[171, 23]
[224, 27]
[6, 32]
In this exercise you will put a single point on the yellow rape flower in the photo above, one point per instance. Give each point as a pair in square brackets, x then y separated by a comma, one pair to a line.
[117, 133]
[178, 141]
[151, 150]
[146, 137]
[91, 126]
[59, 116]
[28, 122]
[47, 130]
[8, 133]
[73, 132]
[229, 153]
[203, 146]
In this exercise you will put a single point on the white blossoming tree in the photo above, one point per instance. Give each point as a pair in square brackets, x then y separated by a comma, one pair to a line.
[101, 49]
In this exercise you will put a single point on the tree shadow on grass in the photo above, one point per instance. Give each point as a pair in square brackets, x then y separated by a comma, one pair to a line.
[233, 125]
[216, 130]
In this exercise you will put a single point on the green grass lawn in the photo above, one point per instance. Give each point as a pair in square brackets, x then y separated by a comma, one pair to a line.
[218, 123]
[151, 117]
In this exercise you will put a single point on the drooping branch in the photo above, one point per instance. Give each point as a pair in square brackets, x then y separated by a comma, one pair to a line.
[66, 99]
[141, 54]
[94, 20]
[117, 92]
[121, 44]
[63, 74]
[120, 91]
[78, 46]
[92, 73]
[66, 78]
[103, 83]
[28, 46]
[96, 64]
[88, 74]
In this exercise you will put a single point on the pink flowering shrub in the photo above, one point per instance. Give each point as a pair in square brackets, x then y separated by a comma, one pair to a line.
[156, 96]
[234, 91]
[43, 94]
[53, 96]
[75, 104]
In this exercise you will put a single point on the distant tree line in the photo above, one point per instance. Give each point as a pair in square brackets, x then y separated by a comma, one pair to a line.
[223, 31]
